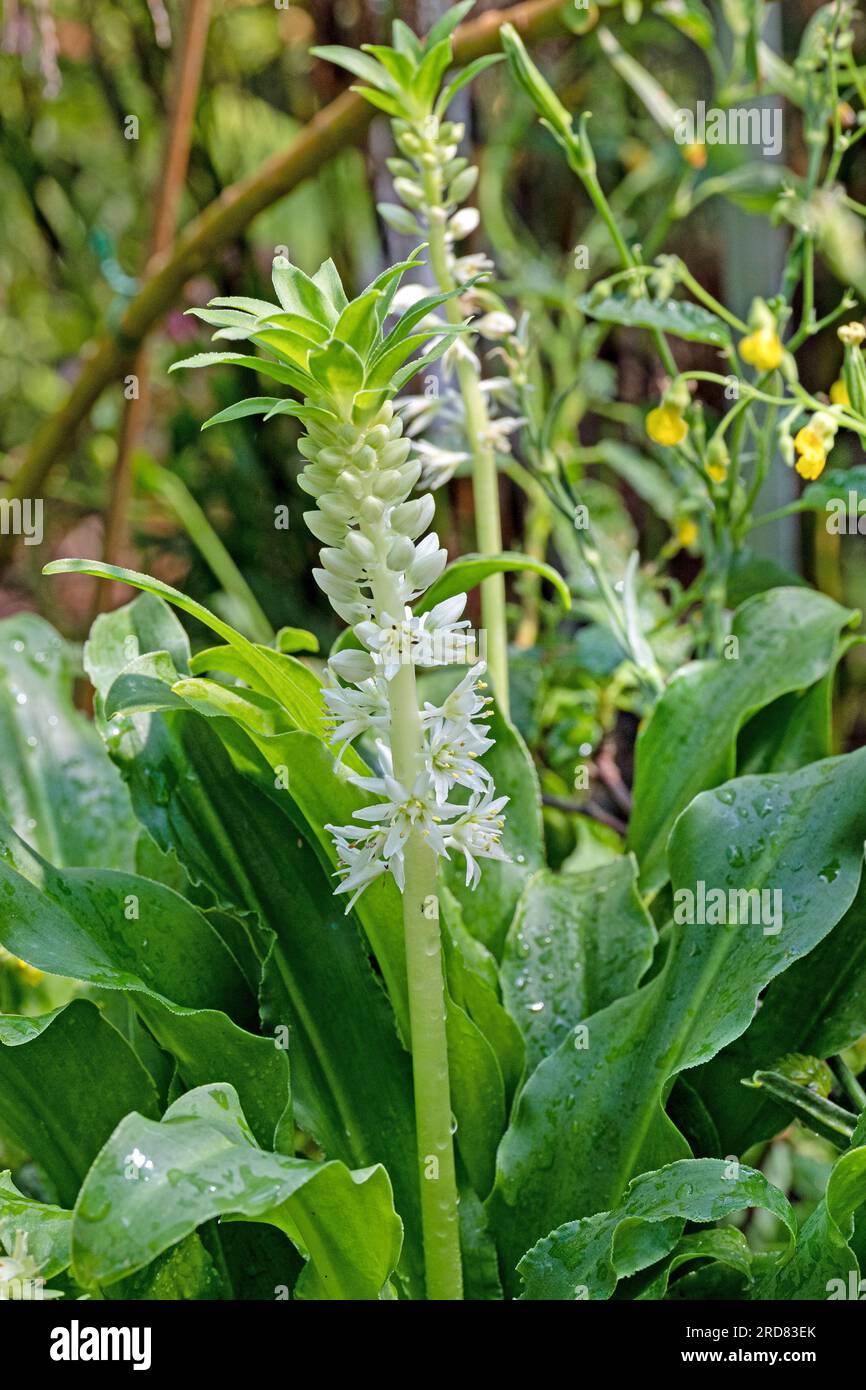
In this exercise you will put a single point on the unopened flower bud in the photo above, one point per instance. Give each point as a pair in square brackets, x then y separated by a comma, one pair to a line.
[352, 665]
[464, 223]
[359, 547]
[409, 193]
[411, 518]
[496, 324]
[401, 554]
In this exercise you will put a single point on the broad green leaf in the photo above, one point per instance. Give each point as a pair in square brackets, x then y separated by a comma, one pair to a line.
[473, 983]
[785, 641]
[47, 1229]
[296, 639]
[147, 624]
[795, 729]
[201, 1161]
[818, 1007]
[677, 316]
[57, 787]
[227, 318]
[280, 676]
[577, 943]
[644, 475]
[477, 1096]
[463, 575]
[478, 1250]
[752, 574]
[841, 492]
[587, 1258]
[120, 931]
[574, 1144]
[723, 1246]
[66, 1080]
[824, 1265]
[259, 308]
[186, 1272]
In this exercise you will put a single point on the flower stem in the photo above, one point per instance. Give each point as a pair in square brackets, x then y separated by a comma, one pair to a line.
[485, 475]
[430, 1073]
[426, 987]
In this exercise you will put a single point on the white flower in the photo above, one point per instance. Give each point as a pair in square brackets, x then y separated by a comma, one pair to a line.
[478, 833]
[355, 711]
[437, 638]
[498, 386]
[458, 350]
[455, 746]
[464, 702]
[19, 1275]
[360, 855]
[407, 295]
[499, 430]
[407, 809]
[438, 465]
[417, 412]
[463, 268]
[428, 562]
[496, 324]
[464, 223]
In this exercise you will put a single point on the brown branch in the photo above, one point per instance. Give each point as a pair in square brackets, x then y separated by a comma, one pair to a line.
[340, 124]
[610, 775]
[584, 808]
[186, 81]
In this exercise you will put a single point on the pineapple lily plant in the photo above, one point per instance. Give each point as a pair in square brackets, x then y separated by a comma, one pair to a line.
[342, 1027]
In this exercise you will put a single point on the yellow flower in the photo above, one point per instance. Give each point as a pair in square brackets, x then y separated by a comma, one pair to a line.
[839, 393]
[696, 155]
[717, 471]
[762, 349]
[687, 532]
[813, 453]
[666, 425]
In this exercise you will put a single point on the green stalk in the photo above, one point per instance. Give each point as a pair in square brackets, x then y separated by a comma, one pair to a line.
[485, 475]
[426, 988]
